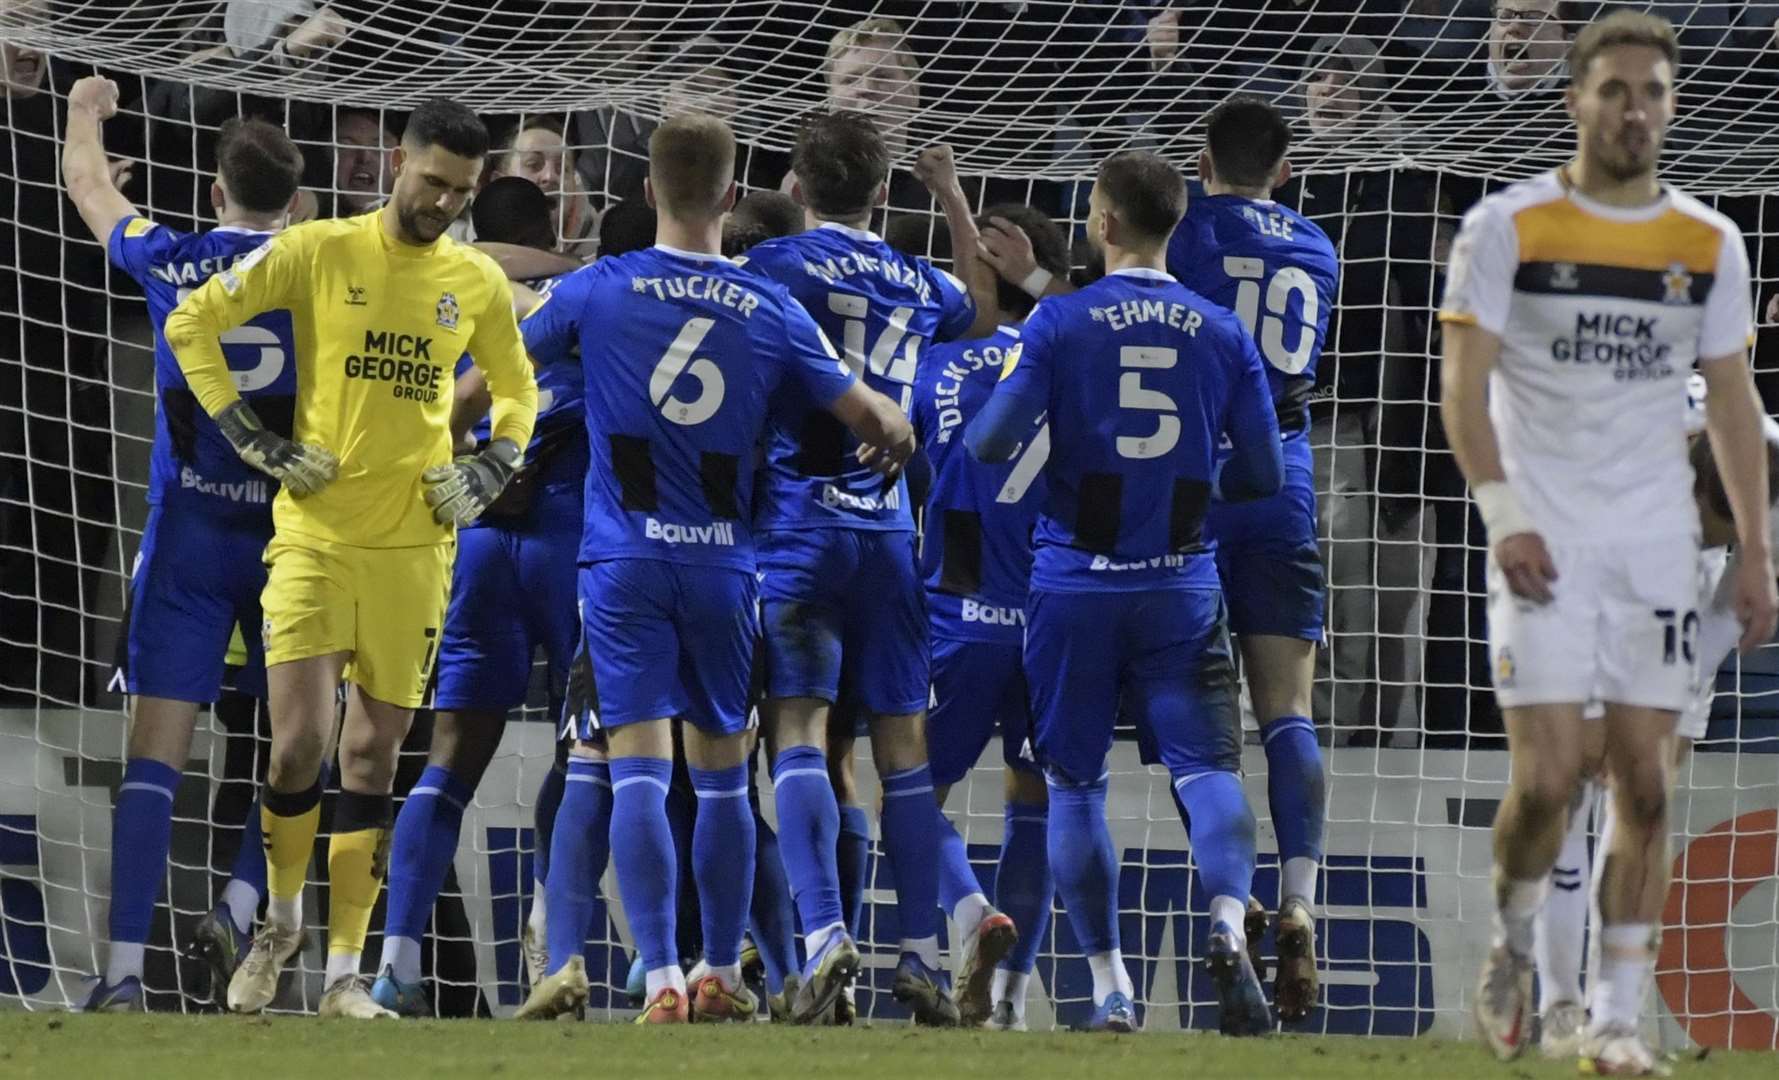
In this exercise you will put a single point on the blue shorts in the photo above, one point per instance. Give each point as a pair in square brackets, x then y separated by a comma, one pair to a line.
[512, 591]
[667, 640]
[1160, 658]
[1269, 561]
[196, 579]
[977, 686]
[829, 594]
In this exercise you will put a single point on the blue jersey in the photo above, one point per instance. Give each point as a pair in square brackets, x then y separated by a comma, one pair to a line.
[1140, 377]
[559, 437]
[681, 354]
[882, 307]
[1277, 271]
[976, 554]
[191, 463]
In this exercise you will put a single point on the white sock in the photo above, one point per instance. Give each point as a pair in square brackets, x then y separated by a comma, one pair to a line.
[663, 978]
[1234, 914]
[285, 913]
[1297, 878]
[729, 973]
[402, 954]
[969, 913]
[1561, 925]
[1516, 911]
[536, 919]
[1010, 986]
[341, 965]
[815, 942]
[242, 900]
[1109, 975]
[123, 960]
[1627, 960]
[927, 948]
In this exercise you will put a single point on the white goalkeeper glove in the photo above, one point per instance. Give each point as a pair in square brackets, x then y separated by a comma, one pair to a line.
[302, 469]
[460, 491]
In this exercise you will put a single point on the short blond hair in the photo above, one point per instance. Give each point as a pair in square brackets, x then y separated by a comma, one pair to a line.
[876, 34]
[691, 164]
[1622, 27]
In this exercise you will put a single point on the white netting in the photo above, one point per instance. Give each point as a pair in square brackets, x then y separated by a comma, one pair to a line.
[1403, 126]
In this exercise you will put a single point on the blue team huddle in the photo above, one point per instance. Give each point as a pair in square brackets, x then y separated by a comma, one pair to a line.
[824, 490]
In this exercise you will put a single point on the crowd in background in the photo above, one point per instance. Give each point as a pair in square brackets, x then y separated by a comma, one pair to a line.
[1038, 88]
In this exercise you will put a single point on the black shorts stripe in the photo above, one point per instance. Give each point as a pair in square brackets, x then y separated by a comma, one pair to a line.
[720, 475]
[1675, 285]
[1186, 515]
[960, 559]
[1099, 512]
[823, 446]
[634, 465]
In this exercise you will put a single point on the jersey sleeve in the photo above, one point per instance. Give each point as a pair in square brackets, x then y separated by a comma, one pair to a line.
[554, 326]
[271, 276]
[136, 244]
[1022, 394]
[500, 353]
[811, 358]
[1727, 328]
[1479, 280]
[957, 308]
[1257, 468]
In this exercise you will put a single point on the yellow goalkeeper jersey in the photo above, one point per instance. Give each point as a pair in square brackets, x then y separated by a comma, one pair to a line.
[379, 328]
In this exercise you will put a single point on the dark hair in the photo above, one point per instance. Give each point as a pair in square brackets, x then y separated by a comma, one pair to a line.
[1708, 482]
[761, 216]
[841, 162]
[1568, 12]
[691, 164]
[513, 210]
[1146, 192]
[259, 165]
[1050, 247]
[1622, 27]
[627, 225]
[1247, 138]
[1089, 263]
[446, 123]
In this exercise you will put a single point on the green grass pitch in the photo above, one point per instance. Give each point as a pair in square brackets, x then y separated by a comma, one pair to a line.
[40, 1046]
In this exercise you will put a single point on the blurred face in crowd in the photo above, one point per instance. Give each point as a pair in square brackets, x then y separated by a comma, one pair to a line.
[1332, 95]
[540, 156]
[1526, 43]
[362, 171]
[23, 69]
[871, 78]
[1622, 109]
[710, 91]
[432, 186]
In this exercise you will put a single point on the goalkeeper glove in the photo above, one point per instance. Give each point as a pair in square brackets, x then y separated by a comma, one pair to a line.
[302, 469]
[460, 491]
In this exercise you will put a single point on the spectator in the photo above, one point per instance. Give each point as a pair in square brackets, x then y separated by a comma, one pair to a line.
[23, 68]
[537, 151]
[1345, 91]
[871, 69]
[1529, 44]
[364, 161]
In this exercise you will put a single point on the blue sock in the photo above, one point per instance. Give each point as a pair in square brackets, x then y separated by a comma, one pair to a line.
[808, 827]
[579, 846]
[723, 860]
[421, 850]
[1024, 890]
[909, 820]
[852, 859]
[957, 878]
[771, 918]
[1084, 863]
[543, 820]
[141, 829]
[1295, 791]
[642, 851]
[1222, 834]
[250, 861]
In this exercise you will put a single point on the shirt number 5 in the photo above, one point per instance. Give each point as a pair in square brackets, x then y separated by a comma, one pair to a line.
[1132, 394]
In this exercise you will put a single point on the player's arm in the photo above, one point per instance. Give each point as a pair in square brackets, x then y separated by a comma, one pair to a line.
[1257, 468]
[886, 436]
[470, 402]
[1479, 284]
[1019, 399]
[85, 169]
[1735, 424]
[936, 168]
[525, 299]
[521, 263]
[272, 276]
[460, 491]
[1006, 247]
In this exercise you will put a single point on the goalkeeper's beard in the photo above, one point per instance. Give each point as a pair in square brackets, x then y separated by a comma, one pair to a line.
[420, 226]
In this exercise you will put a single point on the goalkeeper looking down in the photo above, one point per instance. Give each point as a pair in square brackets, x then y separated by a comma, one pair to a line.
[382, 306]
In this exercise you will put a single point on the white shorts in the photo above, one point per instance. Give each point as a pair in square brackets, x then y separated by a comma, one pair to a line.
[1621, 627]
[1719, 632]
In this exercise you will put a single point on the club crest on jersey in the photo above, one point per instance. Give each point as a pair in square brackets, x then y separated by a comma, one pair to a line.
[1564, 275]
[447, 311]
[1677, 285]
[355, 296]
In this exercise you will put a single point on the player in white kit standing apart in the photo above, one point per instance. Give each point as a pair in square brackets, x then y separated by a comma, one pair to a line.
[1576, 305]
